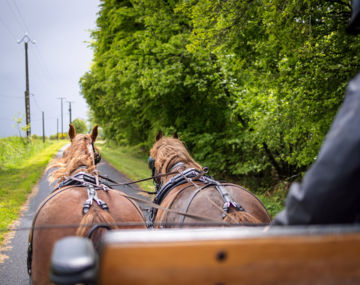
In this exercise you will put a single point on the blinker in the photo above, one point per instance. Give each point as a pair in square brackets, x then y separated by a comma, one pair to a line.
[151, 162]
[97, 156]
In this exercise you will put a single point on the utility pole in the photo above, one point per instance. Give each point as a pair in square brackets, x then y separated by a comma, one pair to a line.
[27, 39]
[70, 119]
[62, 117]
[43, 126]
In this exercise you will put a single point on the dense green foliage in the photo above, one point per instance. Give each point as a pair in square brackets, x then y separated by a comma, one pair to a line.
[251, 86]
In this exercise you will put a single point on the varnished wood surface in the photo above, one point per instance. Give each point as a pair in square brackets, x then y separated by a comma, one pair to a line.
[330, 258]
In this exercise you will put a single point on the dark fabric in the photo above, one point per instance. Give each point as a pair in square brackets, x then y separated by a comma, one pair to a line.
[330, 190]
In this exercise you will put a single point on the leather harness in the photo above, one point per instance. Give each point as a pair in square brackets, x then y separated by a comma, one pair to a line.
[190, 175]
[80, 179]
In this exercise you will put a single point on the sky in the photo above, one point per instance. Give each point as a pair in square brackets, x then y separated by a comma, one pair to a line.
[60, 56]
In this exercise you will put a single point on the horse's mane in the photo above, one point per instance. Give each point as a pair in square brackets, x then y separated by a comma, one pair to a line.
[168, 151]
[74, 156]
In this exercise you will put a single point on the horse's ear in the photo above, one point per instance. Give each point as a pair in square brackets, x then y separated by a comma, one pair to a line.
[94, 133]
[175, 136]
[72, 132]
[159, 135]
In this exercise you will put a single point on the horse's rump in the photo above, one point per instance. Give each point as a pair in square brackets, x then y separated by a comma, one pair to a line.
[207, 202]
[66, 208]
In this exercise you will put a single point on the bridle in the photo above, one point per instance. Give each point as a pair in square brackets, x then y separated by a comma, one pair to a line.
[156, 179]
[97, 156]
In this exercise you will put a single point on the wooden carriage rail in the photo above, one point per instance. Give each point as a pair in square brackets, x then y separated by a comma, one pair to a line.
[278, 255]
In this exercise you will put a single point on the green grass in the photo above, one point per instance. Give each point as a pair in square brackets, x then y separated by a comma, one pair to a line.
[272, 193]
[130, 161]
[273, 201]
[21, 166]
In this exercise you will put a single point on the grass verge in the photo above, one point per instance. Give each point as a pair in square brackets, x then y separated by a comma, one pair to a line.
[19, 174]
[273, 201]
[130, 161]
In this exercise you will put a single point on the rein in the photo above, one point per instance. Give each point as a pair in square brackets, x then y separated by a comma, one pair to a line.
[137, 181]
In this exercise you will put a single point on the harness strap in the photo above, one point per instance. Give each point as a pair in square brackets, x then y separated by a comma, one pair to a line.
[228, 201]
[225, 195]
[82, 179]
[92, 196]
[189, 175]
[176, 165]
[190, 200]
[175, 181]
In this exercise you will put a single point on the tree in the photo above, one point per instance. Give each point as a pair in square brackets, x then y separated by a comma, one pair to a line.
[250, 85]
[80, 126]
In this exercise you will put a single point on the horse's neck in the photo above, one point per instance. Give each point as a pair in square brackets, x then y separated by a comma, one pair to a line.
[176, 168]
[84, 168]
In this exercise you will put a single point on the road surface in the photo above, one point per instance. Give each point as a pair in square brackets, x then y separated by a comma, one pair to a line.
[13, 270]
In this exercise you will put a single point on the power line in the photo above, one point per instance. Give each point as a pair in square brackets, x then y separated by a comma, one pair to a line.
[21, 17]
[8, 96]
[15, 15]
[40, 60]
[36, 103]
[8, 29]
[37, 51]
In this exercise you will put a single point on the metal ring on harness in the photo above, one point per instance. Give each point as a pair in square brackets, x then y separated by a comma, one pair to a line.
[92, 195]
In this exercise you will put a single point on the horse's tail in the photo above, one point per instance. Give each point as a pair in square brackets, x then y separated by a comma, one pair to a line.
[96, 216]
[240, 217]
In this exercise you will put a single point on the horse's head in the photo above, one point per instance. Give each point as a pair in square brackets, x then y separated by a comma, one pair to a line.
[169, 154]
[81, 154]
[82, 147]
[83, 143]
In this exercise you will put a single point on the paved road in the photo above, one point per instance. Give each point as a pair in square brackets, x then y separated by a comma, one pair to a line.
[13, 269]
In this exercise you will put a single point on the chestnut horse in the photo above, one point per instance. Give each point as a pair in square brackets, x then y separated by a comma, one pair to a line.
[71, 204]
[188, 190]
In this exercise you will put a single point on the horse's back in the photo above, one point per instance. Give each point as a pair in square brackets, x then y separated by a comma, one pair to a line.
[207, 202]
[62, 212]
[249, 202]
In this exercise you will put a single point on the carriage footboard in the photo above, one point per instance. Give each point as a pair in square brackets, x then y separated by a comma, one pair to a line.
[246, 255]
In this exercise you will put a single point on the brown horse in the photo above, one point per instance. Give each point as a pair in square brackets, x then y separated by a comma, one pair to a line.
[71, 204]
[188, 191]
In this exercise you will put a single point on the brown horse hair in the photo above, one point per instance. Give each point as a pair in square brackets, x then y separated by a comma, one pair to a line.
[95, 216]
[167, 150]
[74, 156]
[240, 217]
[235, 216]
